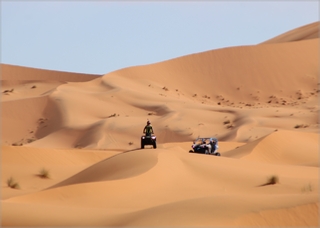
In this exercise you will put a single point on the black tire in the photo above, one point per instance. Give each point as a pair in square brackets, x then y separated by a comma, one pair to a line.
[191, 151]
[154, 144]
[217, 154]
[142, 144]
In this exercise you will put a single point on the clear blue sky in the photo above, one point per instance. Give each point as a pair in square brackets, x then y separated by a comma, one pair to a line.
[102, 36]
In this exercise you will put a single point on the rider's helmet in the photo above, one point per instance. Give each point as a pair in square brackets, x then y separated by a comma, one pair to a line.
[148, 122]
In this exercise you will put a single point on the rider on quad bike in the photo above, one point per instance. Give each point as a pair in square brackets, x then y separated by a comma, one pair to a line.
[149, 138]
[148, 130]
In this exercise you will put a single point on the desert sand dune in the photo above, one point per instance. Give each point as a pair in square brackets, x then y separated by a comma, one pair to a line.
[260, 101]
[25, 164]
[20, 74]
[181, 184]
[25, 100]
[122, 166]
[305, 32]
[283, 147]
[115, 99]
[288, 147]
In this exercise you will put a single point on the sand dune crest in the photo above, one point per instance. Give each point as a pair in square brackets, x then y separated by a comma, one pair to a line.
[310, 31]
[120, 166]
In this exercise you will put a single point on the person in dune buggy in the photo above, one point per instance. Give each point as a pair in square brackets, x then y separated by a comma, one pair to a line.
[213, 145]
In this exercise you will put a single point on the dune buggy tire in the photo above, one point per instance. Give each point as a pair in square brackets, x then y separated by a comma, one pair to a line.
[142, 145]
[154, 145]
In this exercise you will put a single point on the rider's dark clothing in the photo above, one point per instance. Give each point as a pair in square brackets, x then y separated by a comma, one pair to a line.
[148, 130]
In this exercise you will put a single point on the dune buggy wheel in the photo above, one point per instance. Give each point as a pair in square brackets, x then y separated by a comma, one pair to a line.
[154, 144]
[142, 144]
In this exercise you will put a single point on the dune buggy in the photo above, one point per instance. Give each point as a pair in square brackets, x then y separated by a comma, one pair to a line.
[206, 145]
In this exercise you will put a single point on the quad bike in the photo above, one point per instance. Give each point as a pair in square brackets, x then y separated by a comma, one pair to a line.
[148, 140]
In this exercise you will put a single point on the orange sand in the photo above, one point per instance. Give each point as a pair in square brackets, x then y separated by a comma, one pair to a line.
[260, 101]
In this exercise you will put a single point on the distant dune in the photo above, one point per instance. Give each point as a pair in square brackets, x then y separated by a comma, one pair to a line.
[306, 32]
[259, 101]
[20, 73]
